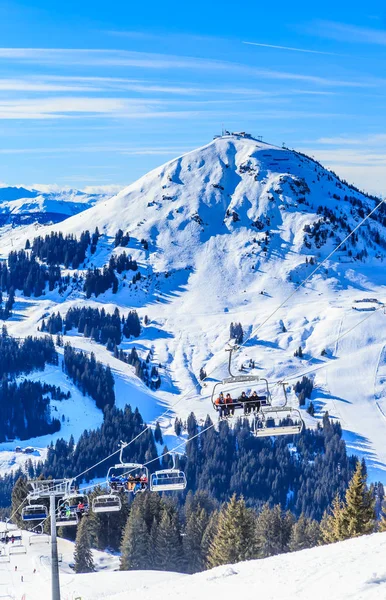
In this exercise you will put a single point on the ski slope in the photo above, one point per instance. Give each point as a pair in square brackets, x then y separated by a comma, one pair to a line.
[351, 570]
[208, 263]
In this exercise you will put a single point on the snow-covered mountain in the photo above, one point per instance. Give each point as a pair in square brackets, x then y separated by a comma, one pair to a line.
[224, 234]
[20, 206]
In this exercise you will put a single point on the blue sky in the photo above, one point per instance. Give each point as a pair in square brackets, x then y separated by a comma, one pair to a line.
[98, 93]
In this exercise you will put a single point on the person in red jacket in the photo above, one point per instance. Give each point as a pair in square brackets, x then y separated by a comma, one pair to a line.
[230, 406]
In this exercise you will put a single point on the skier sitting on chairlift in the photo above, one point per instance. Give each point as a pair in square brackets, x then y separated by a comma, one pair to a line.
[220, 403]
[143, 482]
[255, 401]
[230, 407]
[80, 508]
[243, 399]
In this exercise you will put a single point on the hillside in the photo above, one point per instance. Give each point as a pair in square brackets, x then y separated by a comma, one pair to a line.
[224, 234]
[350, 570]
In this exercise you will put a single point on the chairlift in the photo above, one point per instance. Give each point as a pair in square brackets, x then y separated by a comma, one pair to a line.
[66, 516]
[34, 512]
[252, 394]
[127, 477]
[168, 479]
[106, 503]
[276, 421]
[77, 502]
[234, 386]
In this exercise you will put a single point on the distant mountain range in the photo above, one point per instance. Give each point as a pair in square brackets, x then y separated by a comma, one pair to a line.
[19, 205]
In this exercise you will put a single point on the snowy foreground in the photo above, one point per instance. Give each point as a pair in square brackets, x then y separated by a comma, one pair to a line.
[355, 569]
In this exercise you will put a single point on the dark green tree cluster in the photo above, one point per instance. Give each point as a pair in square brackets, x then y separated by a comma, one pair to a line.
[103, 327]
[303, 389]
[24, 409]
[99, 281]
[143, 368]
[83, 558]
[201, 534]
[236, 332]
[100, 326]
[132, 325]
[57, 249]
[66, 459]
[24, 272]
[53, 325]
[6, 310]
[121, 239]
[353, 516]
[90, 376]
[122, 262]
[25, 355]
[94, 240]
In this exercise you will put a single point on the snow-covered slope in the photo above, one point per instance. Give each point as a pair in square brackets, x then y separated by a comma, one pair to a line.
[231, 229]
[351, 570]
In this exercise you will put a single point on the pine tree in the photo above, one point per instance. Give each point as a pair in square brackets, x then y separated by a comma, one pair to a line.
[331, 526]
[358, 513]
[192, 541]
[209, 535]
[168, 547]
[19, 494]
[83, 556]
[158, 433]
[273, 531]
[135, 542]
[382, 522]
[234, 540]
[305, 534]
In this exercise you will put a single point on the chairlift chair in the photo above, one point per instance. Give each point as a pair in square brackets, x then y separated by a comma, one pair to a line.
[127, 477]
[66, 516]
[34, 512]
[168, 479]
[268, 420]
[77, 502]
[106, 503]
[277, 421]
[238, 384]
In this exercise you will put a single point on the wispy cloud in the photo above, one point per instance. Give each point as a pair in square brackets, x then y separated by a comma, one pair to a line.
[307, 51]
[63, 83]
[30, 84]
[144, 60]
[368, 140]
[105, 149]
[349, 157]
[66, 107]
[350, 33]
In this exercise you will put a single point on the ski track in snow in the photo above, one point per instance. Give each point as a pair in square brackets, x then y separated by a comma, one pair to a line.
[203, 269]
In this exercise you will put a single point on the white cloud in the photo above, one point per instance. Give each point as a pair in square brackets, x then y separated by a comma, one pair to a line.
[371, 140]
[102, 189]
[34, 85]
[144, 60]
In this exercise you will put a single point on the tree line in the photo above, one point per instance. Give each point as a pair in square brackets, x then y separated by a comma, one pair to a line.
[57, 249]
[25, 409]
[90, 376]
[25, 355]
